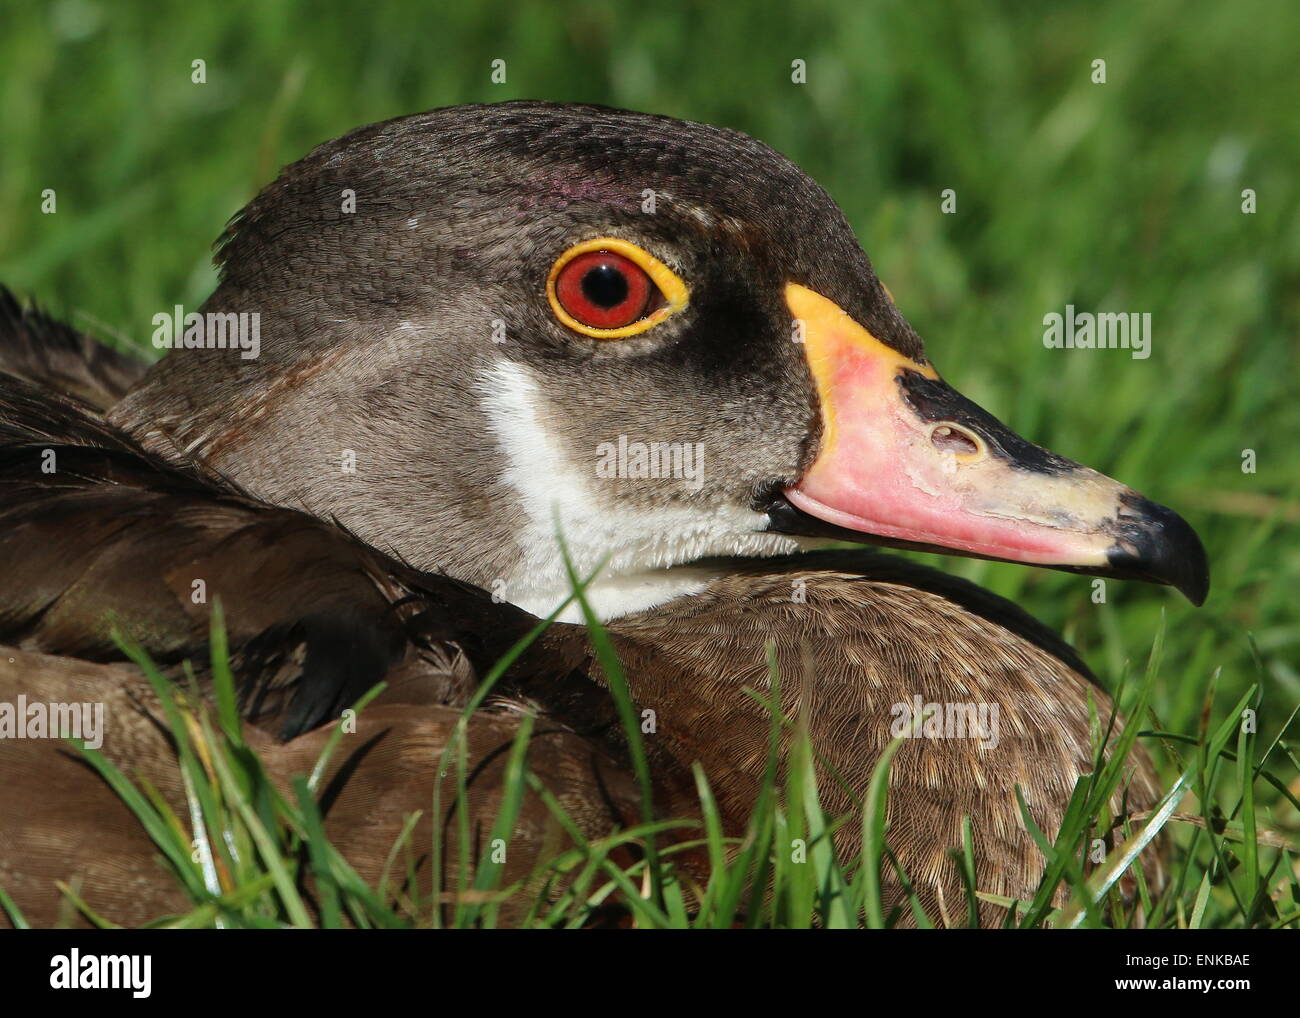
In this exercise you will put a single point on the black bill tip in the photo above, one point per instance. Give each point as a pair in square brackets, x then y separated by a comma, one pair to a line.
[1155, 543]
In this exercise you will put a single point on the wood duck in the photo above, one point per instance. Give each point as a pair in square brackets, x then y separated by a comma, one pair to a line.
[486, 326]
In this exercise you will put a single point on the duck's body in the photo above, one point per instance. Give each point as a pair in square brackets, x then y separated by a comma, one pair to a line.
[467, 452]
[59, 822]
[855, 635]
[114, 540]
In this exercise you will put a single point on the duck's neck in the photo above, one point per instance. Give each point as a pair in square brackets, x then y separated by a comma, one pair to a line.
[641, 552]
[611, 597]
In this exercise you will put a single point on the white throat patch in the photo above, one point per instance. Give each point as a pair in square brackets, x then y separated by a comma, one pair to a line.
[648, 549]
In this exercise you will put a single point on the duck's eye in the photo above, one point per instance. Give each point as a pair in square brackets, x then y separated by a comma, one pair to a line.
[604, 290]
[611, 288]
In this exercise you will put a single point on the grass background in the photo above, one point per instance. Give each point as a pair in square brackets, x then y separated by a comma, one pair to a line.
[1123, 196]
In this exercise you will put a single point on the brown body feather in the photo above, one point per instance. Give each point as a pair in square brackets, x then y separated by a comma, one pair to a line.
[41, 349]
[60, 822]
[871, 633]
[116, 538]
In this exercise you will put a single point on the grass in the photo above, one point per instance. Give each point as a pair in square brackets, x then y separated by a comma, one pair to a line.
[251, 856]
[1118, 196]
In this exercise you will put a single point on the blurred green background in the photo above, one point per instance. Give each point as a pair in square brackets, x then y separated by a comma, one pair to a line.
[1123, 196]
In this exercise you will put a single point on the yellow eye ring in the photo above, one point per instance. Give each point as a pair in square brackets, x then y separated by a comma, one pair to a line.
[675, 293]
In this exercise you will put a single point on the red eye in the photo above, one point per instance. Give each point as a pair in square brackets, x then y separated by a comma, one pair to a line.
[604, 290]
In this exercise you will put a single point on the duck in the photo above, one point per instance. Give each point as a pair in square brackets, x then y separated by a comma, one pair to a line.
[501, 345]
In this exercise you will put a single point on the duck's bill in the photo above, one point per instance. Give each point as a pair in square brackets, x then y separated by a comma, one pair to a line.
[906, 460]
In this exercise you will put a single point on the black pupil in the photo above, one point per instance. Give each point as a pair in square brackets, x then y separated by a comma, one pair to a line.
[605, 286]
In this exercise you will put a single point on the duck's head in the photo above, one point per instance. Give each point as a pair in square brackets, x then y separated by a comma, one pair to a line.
[484, 322]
